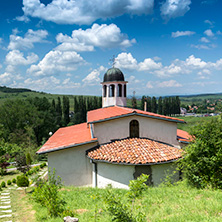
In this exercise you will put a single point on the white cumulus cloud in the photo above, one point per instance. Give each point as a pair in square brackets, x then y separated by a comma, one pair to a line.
[57, 61]
[209, 33]
[93, 78]
[84, 11]
[102, 36]
[165, 84]
[174, 8]
[182, 33]
[31, 37]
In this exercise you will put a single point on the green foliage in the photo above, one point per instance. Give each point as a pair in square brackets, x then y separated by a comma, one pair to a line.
[202, 161]
[3, 184]
[22, 181]
[47, 194]
[137, 187]
[9, 182]
[28, 159]
[14, 180]
[123, 212]
[21, 164]
[42, 165]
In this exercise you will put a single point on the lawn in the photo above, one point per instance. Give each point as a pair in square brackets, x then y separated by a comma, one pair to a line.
[174, 203]
[192, 121]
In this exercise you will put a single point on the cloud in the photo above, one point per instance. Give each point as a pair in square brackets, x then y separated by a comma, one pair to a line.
[93, 77]
[84, 12]
[16, 58]
[57, 61]
[22, 19]
[204, 39]
[49, 83]
[174, 8]
[209, 22]
[182, 33]
[165, 84]
[209, 33]
[102, 36]
[31, 37]
[6, 78]
[126, 61]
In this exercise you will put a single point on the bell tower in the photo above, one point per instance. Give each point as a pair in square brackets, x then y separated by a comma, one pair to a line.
[114, 88]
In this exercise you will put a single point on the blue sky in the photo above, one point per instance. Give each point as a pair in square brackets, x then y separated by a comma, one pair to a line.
[163, 47]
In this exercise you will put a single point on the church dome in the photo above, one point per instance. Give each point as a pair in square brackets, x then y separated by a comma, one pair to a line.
[113, 74]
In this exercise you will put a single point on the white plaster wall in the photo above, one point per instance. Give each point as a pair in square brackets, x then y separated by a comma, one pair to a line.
[72, 165]
[116, 175]
[160, 130]
[160, 171]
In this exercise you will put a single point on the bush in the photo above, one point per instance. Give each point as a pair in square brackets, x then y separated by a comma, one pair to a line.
[14, 180]
[22, 181]
[3, 184]
[203, 156]
[42, 165]
[9, 182]
[0, 188]
[47, 194]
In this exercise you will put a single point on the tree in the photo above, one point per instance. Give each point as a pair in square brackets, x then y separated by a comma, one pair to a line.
[59, 112]
[148, 103]
[153, 105]
[160, 105]
[133, 101]
[143, 99]
[66, 110]
[203, 157]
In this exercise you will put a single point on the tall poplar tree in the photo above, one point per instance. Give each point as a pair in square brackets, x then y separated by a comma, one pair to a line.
[160, 105]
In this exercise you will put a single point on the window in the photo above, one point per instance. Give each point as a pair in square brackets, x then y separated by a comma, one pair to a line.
[134, 129]
[111, 90]
[125, 90]
[119, 90]
[104, 90]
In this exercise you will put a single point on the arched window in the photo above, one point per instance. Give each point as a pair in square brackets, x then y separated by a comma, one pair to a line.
[111, 90]
[125, 90]
[104, 90]
[134, 129]
[119, 90]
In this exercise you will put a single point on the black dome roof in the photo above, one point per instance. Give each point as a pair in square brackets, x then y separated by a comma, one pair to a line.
[113, 74]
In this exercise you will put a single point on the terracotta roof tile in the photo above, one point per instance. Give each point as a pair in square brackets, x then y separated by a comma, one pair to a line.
[183, 136]
[135, 151]
[66, 137]
[106, 113]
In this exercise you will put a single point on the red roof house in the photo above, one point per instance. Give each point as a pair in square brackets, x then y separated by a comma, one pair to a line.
[116, 144]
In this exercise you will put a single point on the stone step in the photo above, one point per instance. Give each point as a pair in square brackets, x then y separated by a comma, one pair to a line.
[5, 207]
[6, 202]
[5, 193]
[6, 211]
[5, 197]
[7, 215]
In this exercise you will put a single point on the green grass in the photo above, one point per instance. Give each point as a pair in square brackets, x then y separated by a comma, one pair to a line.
[192, 121]
[175, 203]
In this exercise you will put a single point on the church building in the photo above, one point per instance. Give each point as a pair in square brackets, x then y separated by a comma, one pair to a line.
[116, 144]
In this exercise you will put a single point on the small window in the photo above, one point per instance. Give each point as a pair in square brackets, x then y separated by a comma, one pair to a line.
[104, 90]
[119, 90]
[111, 90]
[125, 90]
[134, 129]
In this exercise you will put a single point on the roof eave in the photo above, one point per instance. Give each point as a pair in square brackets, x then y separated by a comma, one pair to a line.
[66, 147]
[137, 114]
[132, 164]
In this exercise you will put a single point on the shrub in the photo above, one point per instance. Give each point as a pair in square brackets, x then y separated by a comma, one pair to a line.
[42, 165]
[3, 184]
[13, 180]
[22, 181]
[0, 188]
[47, 194]
[203, 156]
[9, 182]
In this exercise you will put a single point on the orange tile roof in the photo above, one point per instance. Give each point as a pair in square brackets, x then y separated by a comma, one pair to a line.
[183, 136]
[135, 151]
[111, 112]
[67, 137]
